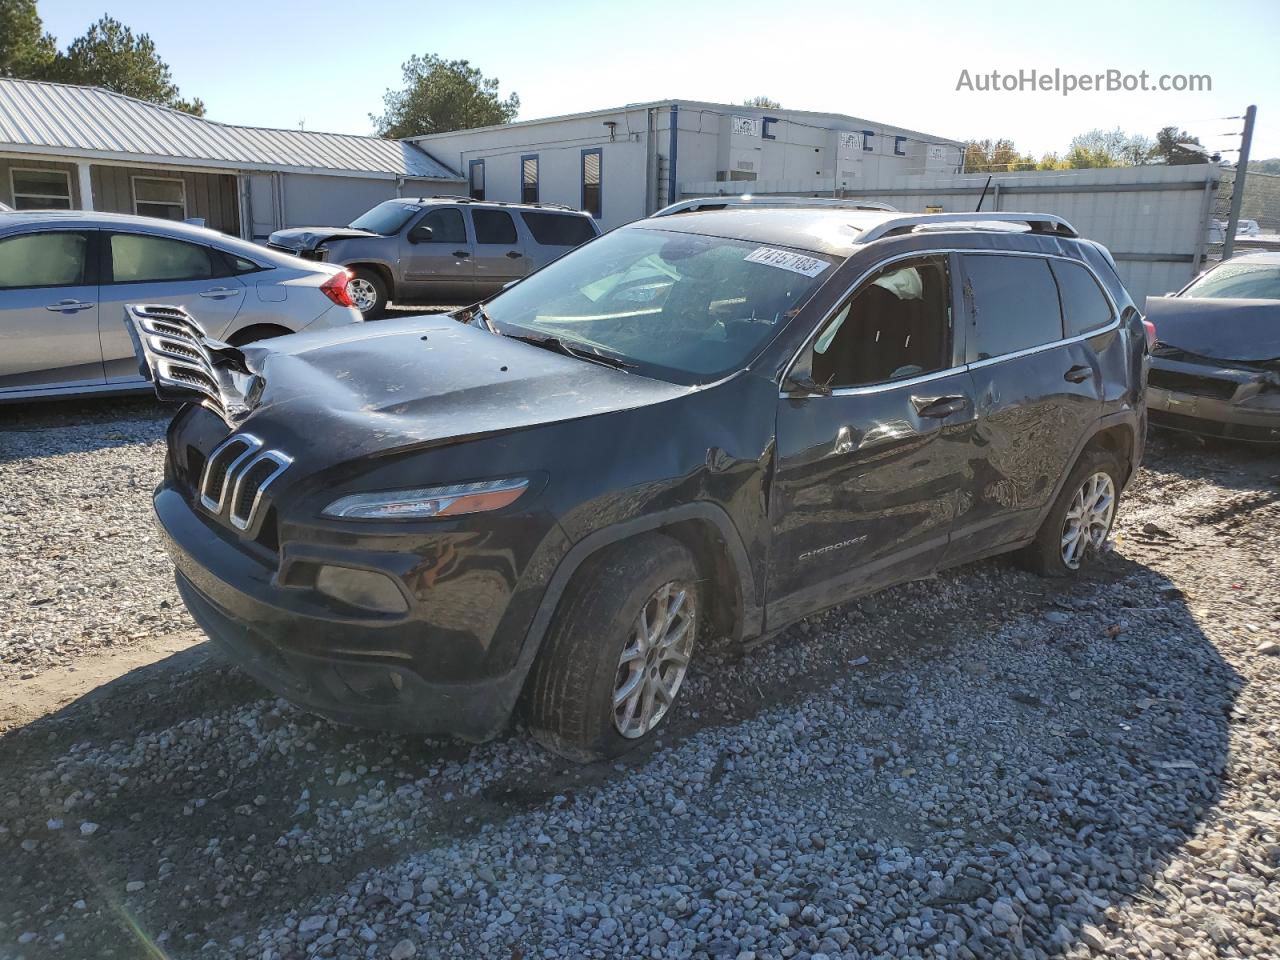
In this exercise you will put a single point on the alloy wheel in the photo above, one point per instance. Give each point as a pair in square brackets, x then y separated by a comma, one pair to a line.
[363, 294]
[655, 660]
[1088, 519]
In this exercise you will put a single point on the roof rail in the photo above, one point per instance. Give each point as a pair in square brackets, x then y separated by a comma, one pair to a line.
[750, 200]
[1038, 222]
[458, 198]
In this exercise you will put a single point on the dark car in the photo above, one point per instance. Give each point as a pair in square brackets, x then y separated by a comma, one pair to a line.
[705, 425]
[1215, 369]
[440, 249]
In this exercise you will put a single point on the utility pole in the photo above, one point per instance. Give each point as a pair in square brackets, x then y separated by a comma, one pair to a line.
[1237, 185]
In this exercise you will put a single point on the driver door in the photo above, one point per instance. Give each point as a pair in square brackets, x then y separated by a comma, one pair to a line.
[869, 474]
[436, 261]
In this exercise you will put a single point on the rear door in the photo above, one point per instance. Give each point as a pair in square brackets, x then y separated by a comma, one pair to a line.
[150, 268]
[1037, 393]
[554, 234]
[499, 251]
[49, 311]
[436, 264]
[868, 478]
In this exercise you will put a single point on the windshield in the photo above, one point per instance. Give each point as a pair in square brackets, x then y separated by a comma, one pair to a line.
[693, 307]
[386, 218]
[1238, 281]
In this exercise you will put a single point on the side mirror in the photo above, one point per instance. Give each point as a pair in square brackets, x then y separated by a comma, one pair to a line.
[805, 386]
[420, 235]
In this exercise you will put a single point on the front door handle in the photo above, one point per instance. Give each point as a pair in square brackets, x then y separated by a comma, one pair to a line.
[1078, 374]
[68, 306]
[219, 293]
[939, 407]
[514, 254]
[462, 254]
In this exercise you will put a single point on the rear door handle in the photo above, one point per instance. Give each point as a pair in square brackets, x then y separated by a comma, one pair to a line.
[939, 407]
[462, 254]
[514, 254]
[219, 293]
[1078, 374]
[68, 306]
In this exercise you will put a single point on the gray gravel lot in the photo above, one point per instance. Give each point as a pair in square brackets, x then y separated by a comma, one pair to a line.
[981, 765]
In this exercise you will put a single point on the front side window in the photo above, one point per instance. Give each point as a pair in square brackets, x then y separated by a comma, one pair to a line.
[1014, 302]
[493, 226]
[40, 189]
[1238, 281]
[166, 199]
[592, 180]
[685, 307]
[138, 258]
[558, 229]
[897, 325]
[529, 179]
[476, 175]
[446, 226]
[1084, 306]
[43, 260]
[387, 218]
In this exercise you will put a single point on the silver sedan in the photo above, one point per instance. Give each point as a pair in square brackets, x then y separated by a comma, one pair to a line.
[66, 276]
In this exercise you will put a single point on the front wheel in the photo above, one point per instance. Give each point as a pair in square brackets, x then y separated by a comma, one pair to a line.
[618, 651]
[1073, 534]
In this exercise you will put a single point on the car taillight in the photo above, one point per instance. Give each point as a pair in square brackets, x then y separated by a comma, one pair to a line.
[1150, 327]
[335, 288]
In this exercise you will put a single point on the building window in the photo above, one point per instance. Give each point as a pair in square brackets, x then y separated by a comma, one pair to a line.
[529, 178]
[475, 172]
[166, 199]
[899, 146]
[592, 177]
[40, 189]
[866, 140]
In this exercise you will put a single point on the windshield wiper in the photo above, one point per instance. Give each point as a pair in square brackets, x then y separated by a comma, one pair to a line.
[581, 352]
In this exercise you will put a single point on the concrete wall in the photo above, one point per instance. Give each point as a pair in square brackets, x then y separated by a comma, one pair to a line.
[211, 196]
[6, 181]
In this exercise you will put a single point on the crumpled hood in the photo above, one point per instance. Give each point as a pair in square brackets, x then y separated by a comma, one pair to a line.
[1247, 331]
[379, 388]
[308, 238]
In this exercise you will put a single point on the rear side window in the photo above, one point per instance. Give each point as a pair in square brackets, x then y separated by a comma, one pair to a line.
[446, 226]
[558, 229]
[43, 260]
[137, 258]
[1084, 307]
[1015, 303]
[493, 226]
[896, 325]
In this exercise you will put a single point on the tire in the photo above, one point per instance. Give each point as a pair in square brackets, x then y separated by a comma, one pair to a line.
[1049, 554]
[369, 291]
[570, 695]
[255, 333]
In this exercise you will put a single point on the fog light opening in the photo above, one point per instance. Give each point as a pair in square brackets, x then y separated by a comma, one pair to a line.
[361, 588]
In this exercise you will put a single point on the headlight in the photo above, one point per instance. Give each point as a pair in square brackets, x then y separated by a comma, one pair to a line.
[449, 501]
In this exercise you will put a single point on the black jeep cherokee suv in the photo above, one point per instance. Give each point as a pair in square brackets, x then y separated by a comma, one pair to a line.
[702, 425]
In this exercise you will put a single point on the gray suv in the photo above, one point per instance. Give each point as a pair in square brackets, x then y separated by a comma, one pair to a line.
[446, 250]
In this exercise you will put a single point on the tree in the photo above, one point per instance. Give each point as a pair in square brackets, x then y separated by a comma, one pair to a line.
[110, 56]
[25, 49]
[441, 95]
[1270, 165]
[995, 156]
[1167, 149]
[1108, 148]
[763, 103]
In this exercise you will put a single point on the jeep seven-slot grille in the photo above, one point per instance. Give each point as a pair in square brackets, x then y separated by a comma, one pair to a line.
[235, 477]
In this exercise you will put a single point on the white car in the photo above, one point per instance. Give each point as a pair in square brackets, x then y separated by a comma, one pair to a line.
[67, 275]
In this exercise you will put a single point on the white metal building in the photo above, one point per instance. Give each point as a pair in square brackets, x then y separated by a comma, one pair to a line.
[87, 148]
[624, 163]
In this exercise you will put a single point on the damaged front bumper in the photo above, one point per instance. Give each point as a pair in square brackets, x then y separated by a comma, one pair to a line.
[1216, 399]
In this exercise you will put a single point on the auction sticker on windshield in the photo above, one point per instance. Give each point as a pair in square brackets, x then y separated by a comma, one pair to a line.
[795, 262]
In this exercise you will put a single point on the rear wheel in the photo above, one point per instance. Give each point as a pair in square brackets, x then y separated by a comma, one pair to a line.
[368, 292]
[1075, 530]
[618, 651]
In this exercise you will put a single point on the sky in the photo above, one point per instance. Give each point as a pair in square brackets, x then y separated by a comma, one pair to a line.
[326, 65]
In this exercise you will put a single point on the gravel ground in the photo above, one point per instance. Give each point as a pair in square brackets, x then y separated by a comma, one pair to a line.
[984, 764]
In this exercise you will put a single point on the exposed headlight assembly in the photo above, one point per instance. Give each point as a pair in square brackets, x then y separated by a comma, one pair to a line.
[447, 501]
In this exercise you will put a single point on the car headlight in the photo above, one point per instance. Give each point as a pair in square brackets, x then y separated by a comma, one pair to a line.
[446, 501]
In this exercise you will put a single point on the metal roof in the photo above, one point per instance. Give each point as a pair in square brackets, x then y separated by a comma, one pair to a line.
[90, 121]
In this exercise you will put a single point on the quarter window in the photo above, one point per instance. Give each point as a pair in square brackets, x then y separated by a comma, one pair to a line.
[475, 172]
[1015, 304]
[446, 226]
[40, 189]
[493, 226]
[558, 229]
[166, 199]
[138, 258]
[592, 180]
[529, 179]
[896, 325]
[1084, 307]
[43, 260]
